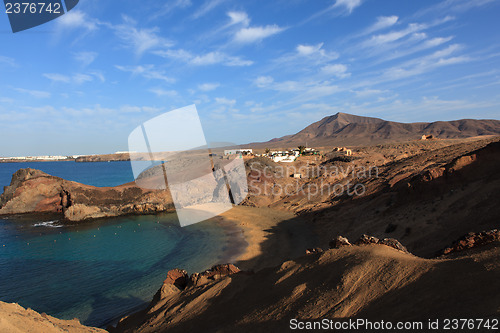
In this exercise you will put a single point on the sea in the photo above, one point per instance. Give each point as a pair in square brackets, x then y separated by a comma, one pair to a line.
[101, 270]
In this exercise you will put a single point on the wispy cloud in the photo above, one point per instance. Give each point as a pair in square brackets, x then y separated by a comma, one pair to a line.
[383, 22]
[315, 52]
[78, 78]
[239, 18]
[210, 58]
[160, 92]
[426, 63]
[250, 34]
[348, 5]
[256, 34]
[85, 58]
[379, 40]
[170, 6]
[146, 71]
[8, 61]
[138, 39]
[452, 6]
[208, 86]
[77, 19]
[225, 101]
[207, 7]
[337, 70]
[34, 93]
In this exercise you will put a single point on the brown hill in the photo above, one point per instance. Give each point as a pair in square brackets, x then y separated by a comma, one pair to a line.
[16, 319]
[371, 282]
[347, 129]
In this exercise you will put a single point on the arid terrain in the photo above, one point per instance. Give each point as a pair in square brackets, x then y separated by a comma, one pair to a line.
[430, 208]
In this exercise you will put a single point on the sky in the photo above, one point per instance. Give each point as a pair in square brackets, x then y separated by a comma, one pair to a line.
[255, 70]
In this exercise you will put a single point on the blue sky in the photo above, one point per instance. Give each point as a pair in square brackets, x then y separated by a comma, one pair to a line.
[255, 69]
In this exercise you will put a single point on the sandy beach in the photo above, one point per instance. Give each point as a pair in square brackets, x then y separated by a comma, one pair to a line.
[272, 236]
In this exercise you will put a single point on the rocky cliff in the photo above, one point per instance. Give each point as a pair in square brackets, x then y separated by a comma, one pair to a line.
[33, 191]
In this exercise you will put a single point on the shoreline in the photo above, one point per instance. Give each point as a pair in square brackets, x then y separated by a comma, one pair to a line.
[265, 229]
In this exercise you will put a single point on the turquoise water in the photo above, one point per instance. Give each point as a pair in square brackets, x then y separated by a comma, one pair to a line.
[94, 173]
[98, 271]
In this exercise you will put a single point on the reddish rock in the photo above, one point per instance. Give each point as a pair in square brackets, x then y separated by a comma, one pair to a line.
[339, 242]
[472, 240]
[214, 273]
[177, 277]
[33, 191]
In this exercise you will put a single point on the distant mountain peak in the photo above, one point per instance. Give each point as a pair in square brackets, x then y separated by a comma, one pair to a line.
[348, 129]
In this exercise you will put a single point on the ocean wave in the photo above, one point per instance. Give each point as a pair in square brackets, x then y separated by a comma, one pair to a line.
[50, 224]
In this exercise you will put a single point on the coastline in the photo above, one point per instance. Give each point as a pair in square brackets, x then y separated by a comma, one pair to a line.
[265, 230]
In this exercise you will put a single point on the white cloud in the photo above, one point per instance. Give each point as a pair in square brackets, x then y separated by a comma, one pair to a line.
[349, 5]
[217, 58]
[99, 75]
[77, 78]
[34, 93]
[239, 18]
[170, 6]
[211, 58]
[207, 7]
[368, 92]
[208, 86]
[427, 63]
[379, 40]
[77, 19]
[338, 70]
[263, 81]
[81, 78]
[162, 92]
[256, 34]
[57, 77]
[178, 54]
[309, 49]
[86, 58]
[140, 40]
[8, 61]
[382, 22]
[225, 101]
[146, 71]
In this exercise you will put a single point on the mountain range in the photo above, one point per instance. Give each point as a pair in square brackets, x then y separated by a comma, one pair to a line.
[348, 129]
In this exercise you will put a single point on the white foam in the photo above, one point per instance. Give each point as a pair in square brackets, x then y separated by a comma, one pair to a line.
[50, 224]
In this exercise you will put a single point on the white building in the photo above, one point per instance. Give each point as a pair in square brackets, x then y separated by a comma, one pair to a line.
[238, 151]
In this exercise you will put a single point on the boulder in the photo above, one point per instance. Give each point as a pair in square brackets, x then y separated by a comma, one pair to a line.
[391, 242]
[214, 273]
[394, 243]
[365, 239]
[339, 242]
